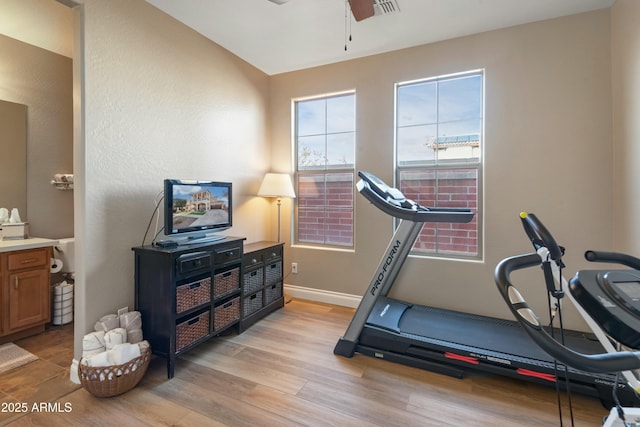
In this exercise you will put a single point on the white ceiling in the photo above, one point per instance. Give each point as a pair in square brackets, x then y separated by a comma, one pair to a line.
[306, 33]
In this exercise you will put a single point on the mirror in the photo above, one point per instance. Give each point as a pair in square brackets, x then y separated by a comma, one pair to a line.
[13, 157]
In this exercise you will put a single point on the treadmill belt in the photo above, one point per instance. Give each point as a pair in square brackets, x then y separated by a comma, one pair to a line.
[487, 333]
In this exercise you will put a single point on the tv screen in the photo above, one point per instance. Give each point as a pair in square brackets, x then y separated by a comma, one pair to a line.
[196, 208]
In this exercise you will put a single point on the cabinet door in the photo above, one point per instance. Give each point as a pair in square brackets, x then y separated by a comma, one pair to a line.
[28, 298]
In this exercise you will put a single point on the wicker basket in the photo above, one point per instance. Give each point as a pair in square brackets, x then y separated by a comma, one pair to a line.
[252, 281]
[225, 283]
[226, 313]
[107, 381]
[192, 330]
[273, 272]
[193, 294]
[252, 303]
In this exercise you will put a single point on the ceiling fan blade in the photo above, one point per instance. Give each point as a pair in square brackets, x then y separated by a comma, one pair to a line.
[361, 9]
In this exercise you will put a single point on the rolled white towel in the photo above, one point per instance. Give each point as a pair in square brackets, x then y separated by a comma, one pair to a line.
[134, 336]
[123, 353]
[143, 345]
[99, 359]
[93, 343]
[107, 323]
[114, 337]
[87, 353]
[131, 320]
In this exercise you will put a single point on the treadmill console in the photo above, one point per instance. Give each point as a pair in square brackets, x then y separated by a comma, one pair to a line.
[624, 287]
[612, 299]
[391, 195]
[391, 201]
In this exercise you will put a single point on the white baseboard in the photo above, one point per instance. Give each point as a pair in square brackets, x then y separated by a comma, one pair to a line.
[319, 295]
[73, 372]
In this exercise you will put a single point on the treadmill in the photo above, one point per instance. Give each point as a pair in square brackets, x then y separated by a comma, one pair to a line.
[451, 342]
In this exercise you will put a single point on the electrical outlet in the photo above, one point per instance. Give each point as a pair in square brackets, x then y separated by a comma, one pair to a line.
[294, 267]
[122, 311]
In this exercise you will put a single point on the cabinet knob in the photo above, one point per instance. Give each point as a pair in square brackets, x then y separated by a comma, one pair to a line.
[273, 254]
[16, 282]
[254, 261]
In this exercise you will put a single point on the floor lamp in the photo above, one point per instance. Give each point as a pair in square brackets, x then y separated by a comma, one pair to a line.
[277, 185]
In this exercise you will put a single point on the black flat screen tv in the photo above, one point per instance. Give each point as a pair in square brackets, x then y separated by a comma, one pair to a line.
[195, 209]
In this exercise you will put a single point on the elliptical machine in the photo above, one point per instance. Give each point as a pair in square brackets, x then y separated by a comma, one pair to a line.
[608, 300]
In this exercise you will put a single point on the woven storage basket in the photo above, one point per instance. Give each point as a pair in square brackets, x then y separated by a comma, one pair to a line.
[252, 281]
[273, 292]
[273, 272]
[192, 330]
[226, 313]
[193, 294]
[252, 303]
[226, 282]
[107, 381]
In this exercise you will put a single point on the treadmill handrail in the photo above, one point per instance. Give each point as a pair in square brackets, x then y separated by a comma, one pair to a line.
[392, 202]
[596, 363]
[540, 235]
[613, 257]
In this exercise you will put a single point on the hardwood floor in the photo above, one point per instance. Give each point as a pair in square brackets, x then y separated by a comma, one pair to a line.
[282, 372]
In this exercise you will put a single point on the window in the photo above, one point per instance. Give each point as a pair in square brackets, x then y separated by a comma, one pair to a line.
[325, 161]
[439, 125]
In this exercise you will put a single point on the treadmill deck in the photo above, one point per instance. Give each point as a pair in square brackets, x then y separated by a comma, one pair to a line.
[409, 329]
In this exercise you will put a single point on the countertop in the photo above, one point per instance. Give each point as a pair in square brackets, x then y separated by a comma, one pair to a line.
[30, 243]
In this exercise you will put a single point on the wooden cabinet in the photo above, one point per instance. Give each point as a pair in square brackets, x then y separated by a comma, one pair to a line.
[187, 294]
[25, 294]
[262, 290]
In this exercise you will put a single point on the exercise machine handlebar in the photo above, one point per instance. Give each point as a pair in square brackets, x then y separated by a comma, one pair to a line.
[596, 363]
[613, 257]
[392, 202]
[540, 235]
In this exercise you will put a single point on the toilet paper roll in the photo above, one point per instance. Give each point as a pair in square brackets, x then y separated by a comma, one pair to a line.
[55, 265]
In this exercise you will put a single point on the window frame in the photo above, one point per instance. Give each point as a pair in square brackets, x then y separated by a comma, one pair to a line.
[444, 165]
[325, 171]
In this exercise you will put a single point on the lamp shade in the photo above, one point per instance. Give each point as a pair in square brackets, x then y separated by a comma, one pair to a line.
[276, 185]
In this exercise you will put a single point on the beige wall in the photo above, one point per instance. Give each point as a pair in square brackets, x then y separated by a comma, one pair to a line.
[547, 150]
[625, 59]
[42, 80]
[159, 101]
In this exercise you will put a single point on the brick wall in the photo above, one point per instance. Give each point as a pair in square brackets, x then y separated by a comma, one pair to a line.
[456, 189]
[329, 222]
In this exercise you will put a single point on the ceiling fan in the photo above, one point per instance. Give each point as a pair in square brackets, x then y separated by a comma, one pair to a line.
[363, 9]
